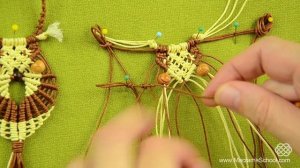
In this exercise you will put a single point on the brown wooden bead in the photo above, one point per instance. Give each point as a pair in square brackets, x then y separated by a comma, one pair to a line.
[202, 69]
[38, 66]
[164, 78]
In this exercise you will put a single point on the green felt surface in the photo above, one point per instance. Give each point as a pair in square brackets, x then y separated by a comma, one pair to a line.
[80, 64]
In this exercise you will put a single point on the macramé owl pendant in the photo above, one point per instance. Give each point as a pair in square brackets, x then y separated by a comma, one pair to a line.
[21, 60]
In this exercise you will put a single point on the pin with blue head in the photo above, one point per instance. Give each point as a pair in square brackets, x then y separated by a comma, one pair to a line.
[158, 35]
[235, 25]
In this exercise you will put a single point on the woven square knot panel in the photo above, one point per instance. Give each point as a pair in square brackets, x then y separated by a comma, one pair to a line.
[179, 61]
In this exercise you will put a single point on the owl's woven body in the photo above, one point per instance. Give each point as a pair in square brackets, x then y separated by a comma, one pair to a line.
[17, 122]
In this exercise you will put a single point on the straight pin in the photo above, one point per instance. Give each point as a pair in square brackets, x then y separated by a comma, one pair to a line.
[235, 25]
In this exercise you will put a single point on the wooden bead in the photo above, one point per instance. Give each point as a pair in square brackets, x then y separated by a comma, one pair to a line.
[202, 69]
[38, 66]
[164, 79]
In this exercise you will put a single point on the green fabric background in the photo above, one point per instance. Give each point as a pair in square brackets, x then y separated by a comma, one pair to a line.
[80, 64]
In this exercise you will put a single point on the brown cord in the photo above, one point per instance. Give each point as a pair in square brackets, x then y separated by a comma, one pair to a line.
[146, 86]
[161, 55]
[28, 109]
[253, 154]
[17, 160]
[7, 112]
[42, 19]
[96, 31]
[193, 49]
[263, 26]
[202, 124]
[2, 105]
[214, 58]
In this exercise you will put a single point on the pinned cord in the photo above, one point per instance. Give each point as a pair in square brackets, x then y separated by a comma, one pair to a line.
[214, 29]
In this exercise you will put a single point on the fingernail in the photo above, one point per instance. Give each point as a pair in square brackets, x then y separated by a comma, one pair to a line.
[228, 96]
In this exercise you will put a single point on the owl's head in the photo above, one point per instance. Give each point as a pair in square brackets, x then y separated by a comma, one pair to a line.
[16, 59]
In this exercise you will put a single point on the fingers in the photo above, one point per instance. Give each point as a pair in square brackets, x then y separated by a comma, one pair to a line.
[78, 163]
[168, 153]
[265, 109]
[112, 145]
[287, 91]
[296, 81]
[272, 56]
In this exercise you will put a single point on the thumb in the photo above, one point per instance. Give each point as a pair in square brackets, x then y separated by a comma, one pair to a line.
[263, 108]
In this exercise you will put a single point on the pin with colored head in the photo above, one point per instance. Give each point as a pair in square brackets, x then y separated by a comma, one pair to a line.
[104, 31]
[15, 28]
[158, 35]
[126, 78]
[235, 25]
[270, 19]
[201, 30]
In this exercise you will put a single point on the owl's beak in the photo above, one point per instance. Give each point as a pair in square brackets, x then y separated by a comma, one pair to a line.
[17, 76]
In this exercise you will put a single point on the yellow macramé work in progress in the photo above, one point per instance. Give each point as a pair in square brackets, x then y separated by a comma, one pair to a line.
[184, 68]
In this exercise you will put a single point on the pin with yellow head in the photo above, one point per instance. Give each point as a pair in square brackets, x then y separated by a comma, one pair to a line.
[15, 28]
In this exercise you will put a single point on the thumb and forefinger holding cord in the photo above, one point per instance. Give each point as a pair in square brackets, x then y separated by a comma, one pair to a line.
[267, 106]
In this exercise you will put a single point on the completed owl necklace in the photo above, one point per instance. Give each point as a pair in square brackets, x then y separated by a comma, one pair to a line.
[21, 60]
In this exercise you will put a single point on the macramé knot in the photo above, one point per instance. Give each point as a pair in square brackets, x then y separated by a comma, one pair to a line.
[263, 25]
[31, 39]
[106, 45]
[17, 147]
[130, 85]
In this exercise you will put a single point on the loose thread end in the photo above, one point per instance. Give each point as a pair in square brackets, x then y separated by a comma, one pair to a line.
[52, 31]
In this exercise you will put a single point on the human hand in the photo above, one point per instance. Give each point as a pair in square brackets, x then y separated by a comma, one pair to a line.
[269, 106]
[119, 144]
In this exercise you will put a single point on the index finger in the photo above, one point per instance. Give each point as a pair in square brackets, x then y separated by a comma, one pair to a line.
[272, 56]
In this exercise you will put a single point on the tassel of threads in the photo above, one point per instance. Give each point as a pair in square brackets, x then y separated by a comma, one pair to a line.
[52, 31]
[16, 160]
